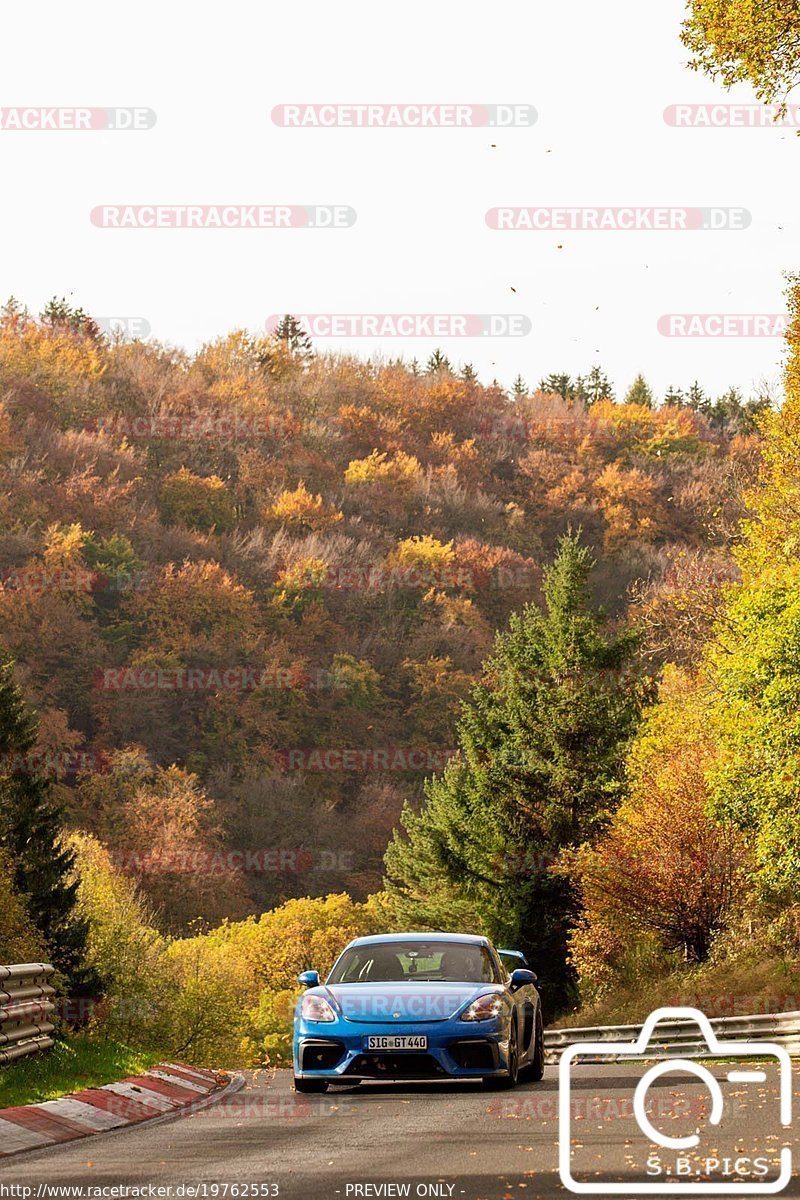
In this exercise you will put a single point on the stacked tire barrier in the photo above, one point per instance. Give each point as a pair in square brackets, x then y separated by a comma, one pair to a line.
[26, 1007]
[681, 1038]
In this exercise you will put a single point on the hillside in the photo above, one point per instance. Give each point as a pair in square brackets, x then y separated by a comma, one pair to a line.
[247, 589]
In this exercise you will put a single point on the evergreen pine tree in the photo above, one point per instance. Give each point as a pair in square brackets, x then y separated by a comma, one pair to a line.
[519, 387]
[30, 832]
[598, 387]
[13, 311]
[61, 315]
[727, 413]
[558, 385]
[437, 362]
[290, 331]
[640, 392]
[542, 744]
[580, 392]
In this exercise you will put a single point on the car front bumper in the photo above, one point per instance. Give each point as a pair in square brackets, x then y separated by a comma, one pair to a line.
[337, 1050]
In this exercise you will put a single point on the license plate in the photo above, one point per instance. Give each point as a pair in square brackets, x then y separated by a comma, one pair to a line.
[398, 1042]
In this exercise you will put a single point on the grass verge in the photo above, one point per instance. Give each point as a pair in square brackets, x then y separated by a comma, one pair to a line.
[736, 987]
[70, 1066]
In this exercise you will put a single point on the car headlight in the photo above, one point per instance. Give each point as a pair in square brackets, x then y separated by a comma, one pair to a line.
[485, 1008]
[316, 1008]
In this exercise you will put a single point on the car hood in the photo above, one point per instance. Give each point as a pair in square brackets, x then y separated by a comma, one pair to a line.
[390, 1003]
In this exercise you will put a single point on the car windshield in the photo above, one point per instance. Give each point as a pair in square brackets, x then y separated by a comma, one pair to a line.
[415, 962]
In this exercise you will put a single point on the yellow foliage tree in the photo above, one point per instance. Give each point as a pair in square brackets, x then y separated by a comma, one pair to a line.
[123, 945]
[60, 362]
[431, 561]
[299, 510]
[20, 941]
[377, 467]
[621, 430]
[746, 40]
[665, 874]
[630, 505]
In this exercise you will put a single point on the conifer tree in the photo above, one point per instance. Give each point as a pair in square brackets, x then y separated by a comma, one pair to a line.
[59, 314]
[438, 361]
[674, 397]
[30, 833]
[558, 384]
[542, 743]
[580, 393]
[640, 392]
[598, 387]
[290, 331]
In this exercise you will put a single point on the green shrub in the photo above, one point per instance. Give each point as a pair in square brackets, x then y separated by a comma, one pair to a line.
[199, 502]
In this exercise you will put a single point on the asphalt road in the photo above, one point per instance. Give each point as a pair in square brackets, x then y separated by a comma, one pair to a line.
[457, 1141]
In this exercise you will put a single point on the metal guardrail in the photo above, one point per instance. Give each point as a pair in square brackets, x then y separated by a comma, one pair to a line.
[25, 1010]
[681, 1038]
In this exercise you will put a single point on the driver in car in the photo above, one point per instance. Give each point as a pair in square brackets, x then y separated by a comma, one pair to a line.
[462, 963]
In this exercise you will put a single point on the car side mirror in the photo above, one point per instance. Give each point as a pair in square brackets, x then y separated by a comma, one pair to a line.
[308, 978]
[521, 977]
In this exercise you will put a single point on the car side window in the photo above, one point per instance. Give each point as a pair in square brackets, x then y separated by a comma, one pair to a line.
[511, 962]
[501, 972]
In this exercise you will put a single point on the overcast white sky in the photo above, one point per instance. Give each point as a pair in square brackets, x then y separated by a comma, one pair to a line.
[599, 75]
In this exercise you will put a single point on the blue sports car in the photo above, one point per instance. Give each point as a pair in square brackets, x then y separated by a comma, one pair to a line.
[419, 1006]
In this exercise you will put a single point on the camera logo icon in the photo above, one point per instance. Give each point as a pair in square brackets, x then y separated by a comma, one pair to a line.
[658, 1161]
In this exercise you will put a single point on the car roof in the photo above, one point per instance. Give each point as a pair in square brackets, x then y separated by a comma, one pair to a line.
[471, 939]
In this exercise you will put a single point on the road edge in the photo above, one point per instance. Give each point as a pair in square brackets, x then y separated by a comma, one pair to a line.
[163, 1093]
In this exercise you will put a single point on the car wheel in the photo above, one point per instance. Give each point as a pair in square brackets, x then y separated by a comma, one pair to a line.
[307, 1086]
[534, 1070]
[511, 1076]
[513, 1056]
